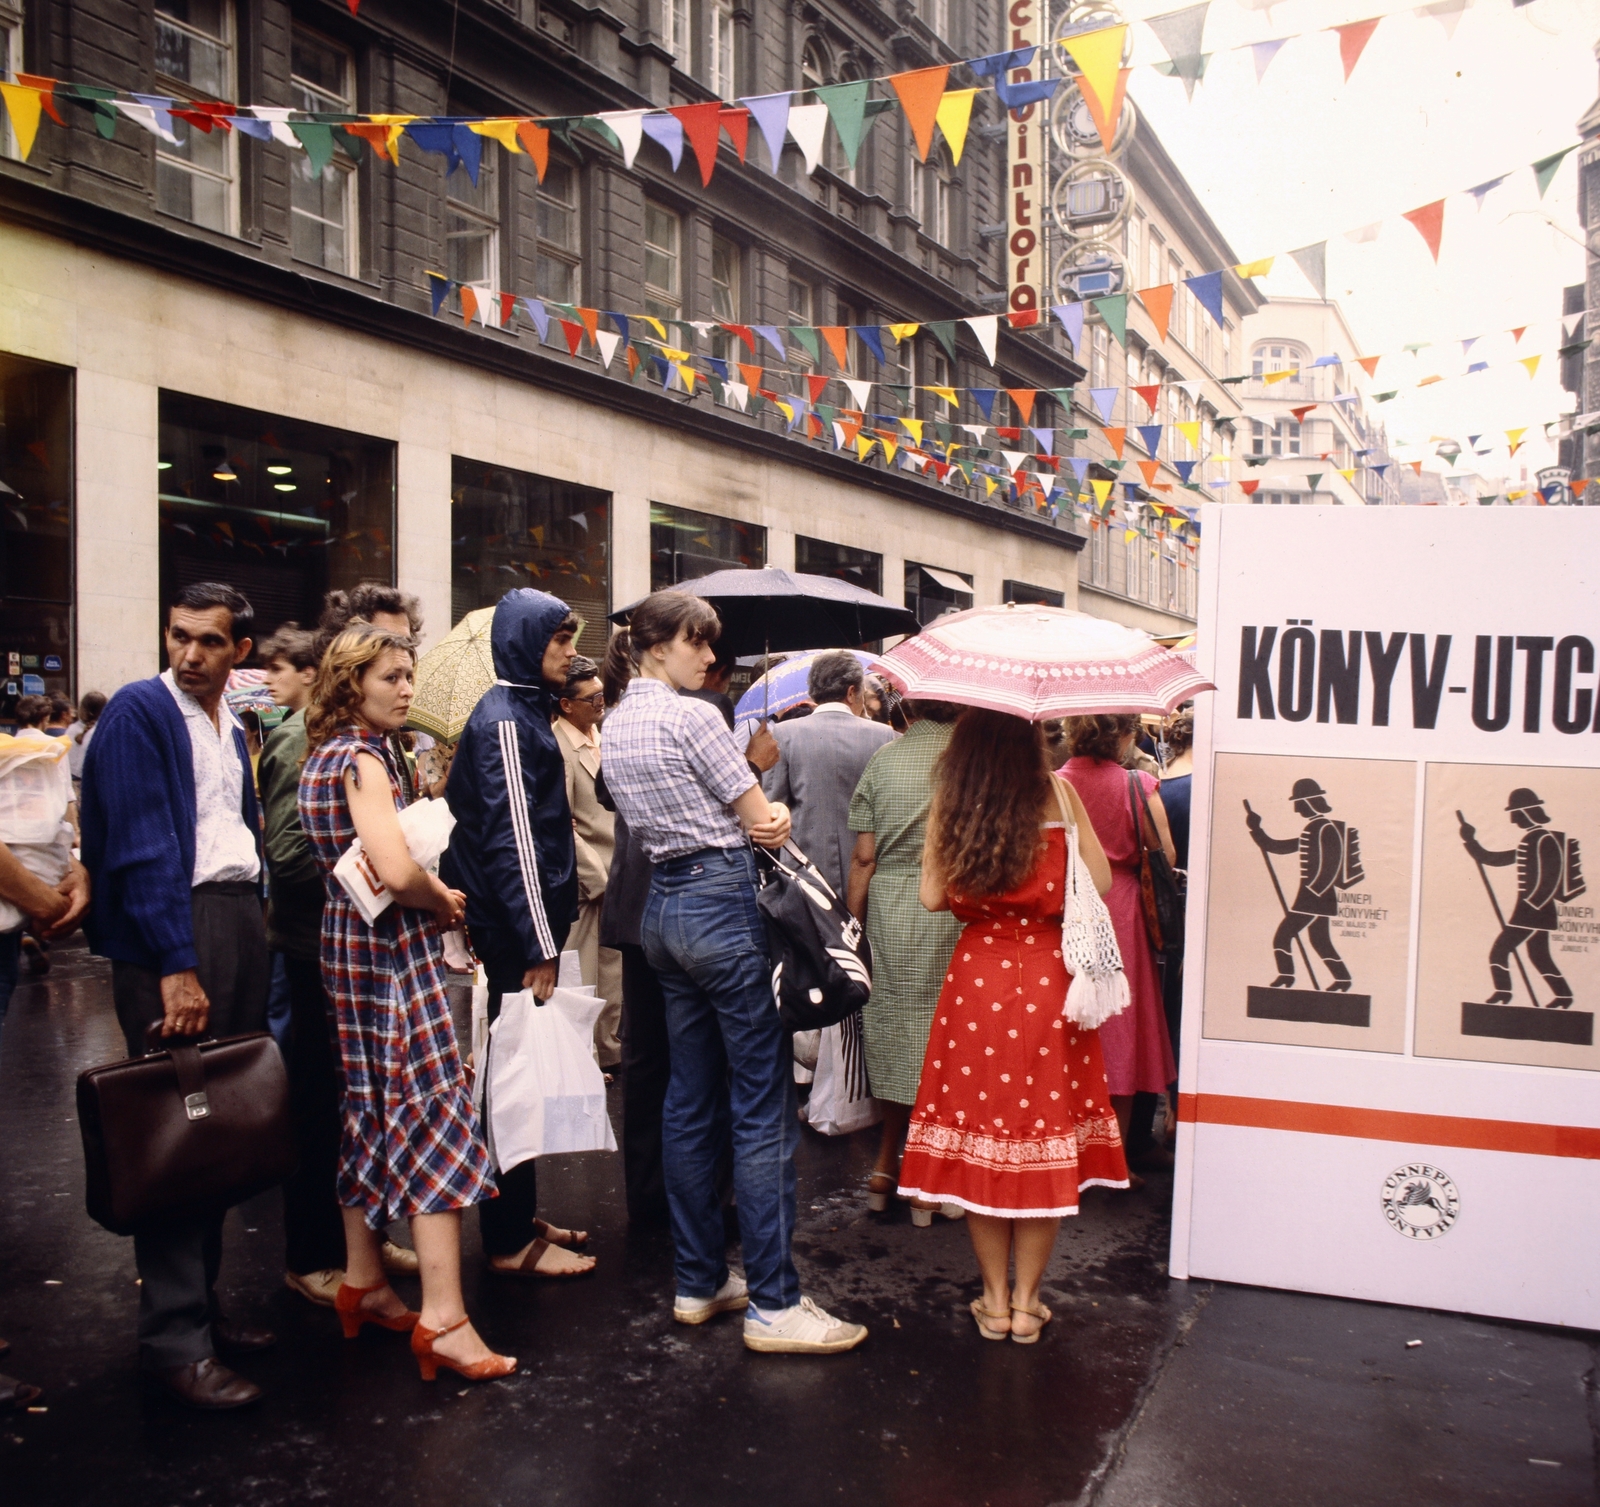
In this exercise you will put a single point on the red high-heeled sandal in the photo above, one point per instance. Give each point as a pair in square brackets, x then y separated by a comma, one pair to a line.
[491, 1368]
[347, 1303]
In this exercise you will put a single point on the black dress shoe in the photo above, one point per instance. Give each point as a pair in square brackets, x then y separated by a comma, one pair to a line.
[239, 1338]
[209, 1385]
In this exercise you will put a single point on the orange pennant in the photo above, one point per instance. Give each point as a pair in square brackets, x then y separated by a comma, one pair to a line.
[752, 375]
[834, 334]
[1116, 437]
[817, 385]
[469, 305]
[535, 140]
[47, 93]
[1369, 364]
[1416, 465]
[920, 92]
[1352, 40]
[1023, 397]
[1158, 304]
[1300, 413]
[1429, 221]
[1149, 468]
[591, 323]
[702, 124]
[375, 135]
[736, 122]
[1106, 120]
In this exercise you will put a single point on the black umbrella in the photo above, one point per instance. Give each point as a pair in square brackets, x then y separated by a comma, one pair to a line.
[771, 609]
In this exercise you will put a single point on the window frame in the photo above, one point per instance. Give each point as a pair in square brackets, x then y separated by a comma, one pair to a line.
[658, 298]
[545, 249]
[677, 32]
[489, 222]
[721, 340]
[721, 71]
[13, 62]
[178, 89]
[345, 166]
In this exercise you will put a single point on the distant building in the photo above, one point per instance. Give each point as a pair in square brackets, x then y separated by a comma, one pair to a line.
[1580, 356]
[1313, 421]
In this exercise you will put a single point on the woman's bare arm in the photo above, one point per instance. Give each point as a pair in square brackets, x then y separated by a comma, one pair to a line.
[1089, 849]
[863, 864]
[931, 892]
[377, 824]
[766, 821]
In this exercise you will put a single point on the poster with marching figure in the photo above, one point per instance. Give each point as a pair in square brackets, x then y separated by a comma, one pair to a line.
[1509, 956]
[1314, 859]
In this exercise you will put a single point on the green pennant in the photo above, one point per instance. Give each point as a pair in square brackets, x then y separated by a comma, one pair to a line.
[805, 335]
[755, 404]
[1383, 397]
[1234, 381]
[1313, 478]
[1064, 396]
[317, 139]
[1075, 434]
[943, 432]
[827, 413]
[350, 146]
[847, 110]
[944, 331]
[1545, 169]
[1114, 311]
[602, 130]
[1256, 460]
[1113, 465]
[966, 468]
[716, 386]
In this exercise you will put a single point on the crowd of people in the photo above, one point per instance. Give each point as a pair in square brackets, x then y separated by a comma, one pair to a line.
[609, 808]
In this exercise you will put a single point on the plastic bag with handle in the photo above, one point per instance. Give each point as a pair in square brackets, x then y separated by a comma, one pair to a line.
[841, 1101]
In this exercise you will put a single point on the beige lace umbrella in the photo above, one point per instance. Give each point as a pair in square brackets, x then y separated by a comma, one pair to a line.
[452, 677]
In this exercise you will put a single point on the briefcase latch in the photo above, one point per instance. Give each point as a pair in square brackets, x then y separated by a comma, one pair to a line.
[197, 1106]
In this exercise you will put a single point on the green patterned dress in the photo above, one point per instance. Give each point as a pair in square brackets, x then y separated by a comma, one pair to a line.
[911, 947]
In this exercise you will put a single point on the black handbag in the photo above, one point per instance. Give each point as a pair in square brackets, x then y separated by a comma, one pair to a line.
[821, 965]
[190, 1128]
[1158, 882]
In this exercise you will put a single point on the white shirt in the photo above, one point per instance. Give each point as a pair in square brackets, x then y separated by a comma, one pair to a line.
[832, 706]
[224, 847]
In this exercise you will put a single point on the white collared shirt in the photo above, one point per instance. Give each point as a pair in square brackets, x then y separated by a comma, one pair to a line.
[832, 706]
[224, 847]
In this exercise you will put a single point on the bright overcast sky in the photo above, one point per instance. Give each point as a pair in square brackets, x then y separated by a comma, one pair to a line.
[1304, 156]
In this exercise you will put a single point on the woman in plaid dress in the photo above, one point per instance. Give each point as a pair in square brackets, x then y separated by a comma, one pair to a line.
[411, 1143]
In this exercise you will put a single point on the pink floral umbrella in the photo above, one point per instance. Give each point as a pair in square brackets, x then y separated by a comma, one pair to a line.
[1039, 662]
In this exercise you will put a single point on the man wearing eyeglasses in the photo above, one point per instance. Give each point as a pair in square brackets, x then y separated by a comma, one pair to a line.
[578, 733]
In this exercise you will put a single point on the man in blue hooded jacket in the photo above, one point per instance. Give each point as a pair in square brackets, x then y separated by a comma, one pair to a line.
[512, 853]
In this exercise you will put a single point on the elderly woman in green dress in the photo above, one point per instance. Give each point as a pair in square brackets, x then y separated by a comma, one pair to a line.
[911, 946]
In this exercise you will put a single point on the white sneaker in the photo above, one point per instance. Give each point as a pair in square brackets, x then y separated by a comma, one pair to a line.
[804, 1329]
[729, 1298]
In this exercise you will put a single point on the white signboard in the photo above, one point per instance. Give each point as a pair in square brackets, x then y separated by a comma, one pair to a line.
[1390, 1072]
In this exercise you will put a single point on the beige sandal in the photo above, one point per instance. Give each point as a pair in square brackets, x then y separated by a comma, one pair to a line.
[532, 1263]
[990, 1331]
[1039, 1312]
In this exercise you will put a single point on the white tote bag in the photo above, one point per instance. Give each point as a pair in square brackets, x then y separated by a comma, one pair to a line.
[546, 1092]
[841, 1101]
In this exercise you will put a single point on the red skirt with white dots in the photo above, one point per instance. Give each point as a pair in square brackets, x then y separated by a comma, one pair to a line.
[1012, 1116]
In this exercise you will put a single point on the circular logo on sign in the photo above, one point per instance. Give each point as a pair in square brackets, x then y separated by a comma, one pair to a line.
[1419, 1201]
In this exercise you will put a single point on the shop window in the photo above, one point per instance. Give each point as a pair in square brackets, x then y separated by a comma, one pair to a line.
[36, 528]
[817, 557]
[284, 510]
[323, 205]
[932, 592]
[510, 528]
[197, 176]
[1042, 596]
[685, 545]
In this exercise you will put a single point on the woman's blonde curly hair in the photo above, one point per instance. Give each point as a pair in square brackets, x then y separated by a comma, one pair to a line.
[337, 695]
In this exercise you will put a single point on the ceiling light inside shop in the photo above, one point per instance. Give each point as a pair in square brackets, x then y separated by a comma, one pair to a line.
[284, 486]
[225, 472]
[163, 465]
[280, 470]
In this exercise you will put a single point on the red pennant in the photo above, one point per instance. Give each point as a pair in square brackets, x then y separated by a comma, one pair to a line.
[354, 5]
[735, 120]
[508, 309]
[574, 334]
[1050, 462]
[1518, 333]
[1117, 438]
[1010, 436]
[1369, 364]
[1416, 465]
[1300, 413]
[702, 124]
[752, 375]
[813, 426]
[1151, 393]
[1158, 303]
[748, 336]
[47, 91]
[1023, 396]
[834, 334]
[1352, 39]
[817, 384]
[1249, 487]
[1021, 319]
[1429, 221]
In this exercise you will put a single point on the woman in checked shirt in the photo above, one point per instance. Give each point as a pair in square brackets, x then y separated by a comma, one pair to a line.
[689, 799]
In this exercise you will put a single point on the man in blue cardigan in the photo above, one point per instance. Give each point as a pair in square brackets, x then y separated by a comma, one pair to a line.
[171, 839]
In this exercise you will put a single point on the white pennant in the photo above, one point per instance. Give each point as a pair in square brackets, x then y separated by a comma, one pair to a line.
[1190, 389]
[608, 344]
[987, 328]
[628, 127]
[860, 391]
[1366, 233]
[145, 116]
[1014, 459]
[977, 431]
[279, 116]
[807, 124]
[739, 393]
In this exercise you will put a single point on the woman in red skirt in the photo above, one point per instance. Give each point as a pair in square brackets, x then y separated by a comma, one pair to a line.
[1012, 1117]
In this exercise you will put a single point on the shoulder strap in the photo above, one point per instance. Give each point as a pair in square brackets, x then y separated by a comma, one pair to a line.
[1146, 827]
[1062, 803]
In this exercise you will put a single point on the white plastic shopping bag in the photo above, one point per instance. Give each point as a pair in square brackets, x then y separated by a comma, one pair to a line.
[426, 825]
[841, 1101]
[547, 1094]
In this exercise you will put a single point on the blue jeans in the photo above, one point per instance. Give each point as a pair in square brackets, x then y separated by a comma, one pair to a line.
[731, 1064]
[10, 955]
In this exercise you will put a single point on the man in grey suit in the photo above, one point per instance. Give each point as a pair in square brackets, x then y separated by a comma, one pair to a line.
[822, 759]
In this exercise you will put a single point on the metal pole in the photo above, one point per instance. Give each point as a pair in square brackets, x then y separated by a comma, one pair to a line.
[1277, 888]
[1494, 900]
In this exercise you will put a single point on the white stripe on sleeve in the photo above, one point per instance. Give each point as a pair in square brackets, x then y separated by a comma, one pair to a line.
[522, 835]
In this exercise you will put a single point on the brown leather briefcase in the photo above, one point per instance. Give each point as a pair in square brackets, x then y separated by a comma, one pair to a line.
[189, 1128]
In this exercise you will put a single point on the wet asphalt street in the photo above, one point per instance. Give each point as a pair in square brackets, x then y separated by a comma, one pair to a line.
[1144, 1392]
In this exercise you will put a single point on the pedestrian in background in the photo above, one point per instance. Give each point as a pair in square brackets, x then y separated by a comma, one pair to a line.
[41, 778]
[1011, 1120]
[513, 854]
[1137, 1050]
[89, 709]
[911, 945]
[678, 778]
[582, 705]
[171, 839]
[410, 1139]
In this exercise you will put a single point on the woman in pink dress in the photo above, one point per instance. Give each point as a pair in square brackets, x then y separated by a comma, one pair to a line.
[1012, 1117]
[1137, 1049]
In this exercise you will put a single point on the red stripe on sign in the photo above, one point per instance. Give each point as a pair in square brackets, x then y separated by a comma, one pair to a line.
[1390, 1125]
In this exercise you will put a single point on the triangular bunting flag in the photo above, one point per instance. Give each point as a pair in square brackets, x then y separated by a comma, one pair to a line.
[807, 124]
[1149, 470]
[1105, 400]
[1249, 487]
[944, 331]
[1369, 364]
[702, 124]
[1191, 432]
[1023, 397]
[953, 117]
[815, 386]
[805, 336]
[1158, 304]
[1151, 395]
[1258, 268]
[1545, 169]
[1106, 117]
[1312, 479]
[469, 304]
[868, 335]
[753, 375]
[667, 132]
[769, 333]
[834, 334]
[771, 112]
[574, 334]
[1301, 412]
[947, 393]
[1150, 437]
[1181, 33]
[920, 92]
[1071, 317]
[847, 108]
[987, 328]
[539, 315]
[438, 290]
[861, 392]
[1044, 438]
[1102, 490]
[1429, 221]
[1353, 39]
[736, 122]
[1263, 53]
[1098, 55]
[1207, 289]
[1116, 438]
[1349, 475]
[1518, 333]
[1531, 362]
[1114, 310]
[984, 397]
[1313, 262]
[607, 343]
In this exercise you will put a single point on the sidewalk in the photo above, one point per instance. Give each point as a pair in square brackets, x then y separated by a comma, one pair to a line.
[1144, 1392]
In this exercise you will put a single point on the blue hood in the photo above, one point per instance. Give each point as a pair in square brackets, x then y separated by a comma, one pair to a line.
[525, 621]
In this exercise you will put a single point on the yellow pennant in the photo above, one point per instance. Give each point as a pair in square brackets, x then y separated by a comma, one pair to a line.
[864, 444]
[953, 117]
[687, 375]
[1190, 431]
[1282, 376]
[396, 128]
[1349, 475]
[1258, 268]
[1129, 535]
[1098, 55]
[673, 355]
[503, 131]
[23, 103]
[1531, 362]
[903, 331]
[947, 393]
[913, 427]
[989, 485]
[889, 448]
[655, 324]
[1102, 489]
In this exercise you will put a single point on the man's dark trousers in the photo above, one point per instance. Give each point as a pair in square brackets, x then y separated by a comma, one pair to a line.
[313, 1229]
[179, 1259]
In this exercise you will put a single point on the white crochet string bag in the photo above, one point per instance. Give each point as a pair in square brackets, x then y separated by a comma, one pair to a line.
[1099, 987]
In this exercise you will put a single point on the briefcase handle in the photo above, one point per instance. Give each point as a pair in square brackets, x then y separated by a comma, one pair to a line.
[187, 1062]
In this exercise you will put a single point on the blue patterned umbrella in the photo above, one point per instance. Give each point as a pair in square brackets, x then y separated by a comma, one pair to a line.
[785, 686]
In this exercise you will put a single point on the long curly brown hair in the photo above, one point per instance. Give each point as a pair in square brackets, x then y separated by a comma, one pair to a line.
[337, 695]
[993, 781]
